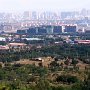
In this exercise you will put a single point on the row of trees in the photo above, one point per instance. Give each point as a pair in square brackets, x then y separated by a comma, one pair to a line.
[81, 52]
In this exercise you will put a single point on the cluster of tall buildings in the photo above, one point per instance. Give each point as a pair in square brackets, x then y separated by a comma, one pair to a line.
[40, 15]
[48, 29]
[34, 15]
[76, 14]
[46, 22]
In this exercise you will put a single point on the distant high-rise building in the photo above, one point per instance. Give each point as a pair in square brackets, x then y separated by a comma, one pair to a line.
[84, 12]
[34, 15]
[42, 30]
[2, 15]
[57, 29]
[26, 15]
[1, 27]
[88, 13]
[49, 29]
[69, 14]
[32, 31]
[70, 29]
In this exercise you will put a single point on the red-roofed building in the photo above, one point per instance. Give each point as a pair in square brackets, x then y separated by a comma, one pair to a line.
[17, 46]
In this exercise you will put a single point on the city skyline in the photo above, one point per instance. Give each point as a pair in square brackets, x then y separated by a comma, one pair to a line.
[42, 5]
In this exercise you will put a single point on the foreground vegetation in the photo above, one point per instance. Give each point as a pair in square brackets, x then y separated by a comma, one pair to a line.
[81, 51]
[31, 77]
[57, 76]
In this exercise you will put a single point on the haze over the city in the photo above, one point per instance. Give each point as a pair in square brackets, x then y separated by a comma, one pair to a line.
[43, 5]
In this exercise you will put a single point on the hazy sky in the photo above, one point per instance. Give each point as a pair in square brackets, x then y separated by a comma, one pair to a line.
[43, 5]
